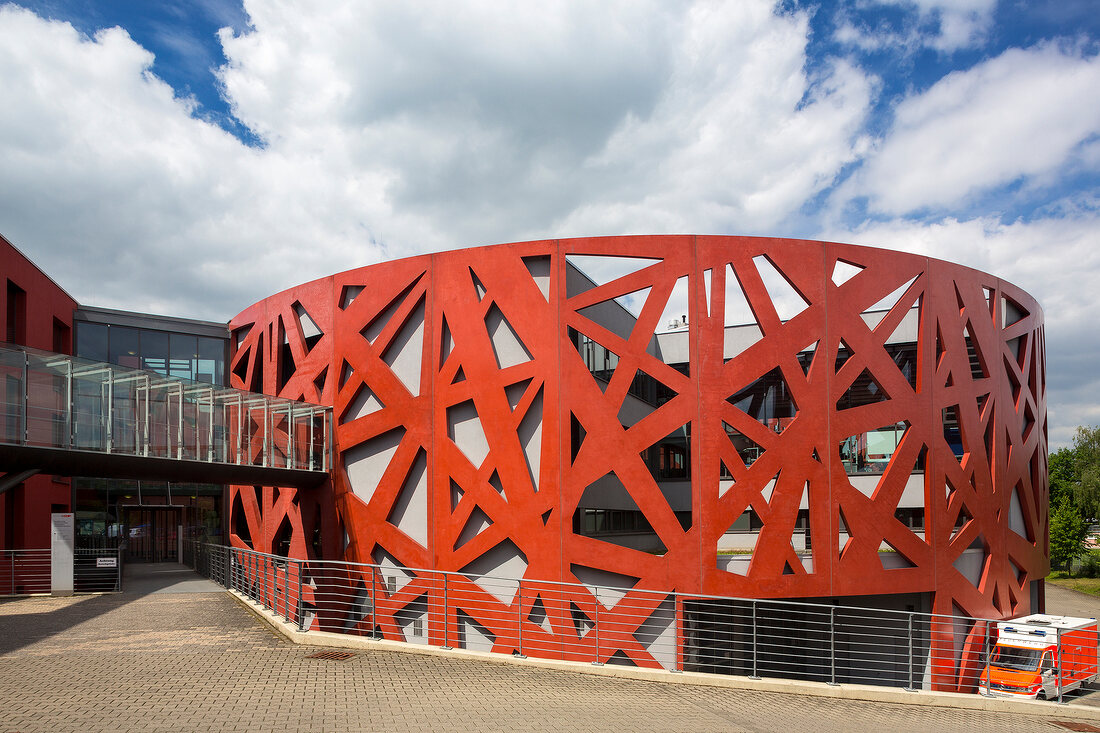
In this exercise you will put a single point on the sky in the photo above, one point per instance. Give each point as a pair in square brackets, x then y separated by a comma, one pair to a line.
[181, 157]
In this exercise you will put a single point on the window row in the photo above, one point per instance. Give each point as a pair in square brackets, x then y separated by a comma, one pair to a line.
[197, 358]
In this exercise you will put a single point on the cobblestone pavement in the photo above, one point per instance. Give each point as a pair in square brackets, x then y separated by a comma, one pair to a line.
[200, 661]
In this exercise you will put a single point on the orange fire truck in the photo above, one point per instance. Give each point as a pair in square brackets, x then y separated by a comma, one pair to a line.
[1041, 655]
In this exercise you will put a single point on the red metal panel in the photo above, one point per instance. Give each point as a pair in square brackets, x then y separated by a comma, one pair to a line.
[409, 356]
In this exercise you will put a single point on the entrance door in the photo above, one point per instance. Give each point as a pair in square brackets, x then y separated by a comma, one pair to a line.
[151, 534]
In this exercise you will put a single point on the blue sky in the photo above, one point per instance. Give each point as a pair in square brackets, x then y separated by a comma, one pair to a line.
[172, 156]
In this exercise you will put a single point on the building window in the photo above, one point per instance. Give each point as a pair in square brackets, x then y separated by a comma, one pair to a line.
[62, 338]
[16, 332]
[91, 341]
[590, 521]
[182, 353]
[210, 363]
[124, 347]
[913, 518]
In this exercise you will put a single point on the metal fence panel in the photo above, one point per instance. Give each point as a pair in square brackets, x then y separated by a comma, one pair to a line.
[24, 572]
[625, 626]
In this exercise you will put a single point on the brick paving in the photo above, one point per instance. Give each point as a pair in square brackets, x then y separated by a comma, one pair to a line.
[199, 661]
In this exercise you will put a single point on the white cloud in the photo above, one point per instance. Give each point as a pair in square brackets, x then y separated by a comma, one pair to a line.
[396, 129]
[125, 198]
[962, 23]
[944, 25]
[1022, 114]
[564, 118]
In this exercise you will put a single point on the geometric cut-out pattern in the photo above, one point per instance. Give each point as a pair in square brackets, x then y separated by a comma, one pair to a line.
[496, 409]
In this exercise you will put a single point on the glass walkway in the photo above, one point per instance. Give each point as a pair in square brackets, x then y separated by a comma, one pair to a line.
[67, 416]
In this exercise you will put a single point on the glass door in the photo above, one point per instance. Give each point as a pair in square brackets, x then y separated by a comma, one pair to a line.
[152, 534]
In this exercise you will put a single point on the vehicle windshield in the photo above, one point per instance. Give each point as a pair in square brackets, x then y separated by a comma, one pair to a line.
[1014, 657]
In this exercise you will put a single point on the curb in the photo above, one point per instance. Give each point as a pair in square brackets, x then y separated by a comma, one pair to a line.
[870, 693]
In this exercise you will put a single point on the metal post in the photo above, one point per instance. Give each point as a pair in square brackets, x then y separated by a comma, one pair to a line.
[754, 675]
[988, 671]
[373, 605]
[596, 624]
[286, 591]
[677, 634]
[145, 428]
[912, 685]
[326, 454]
[446, 609]
[267, 434]
[290, 447]
[1058, 664]
[110, 409]
[137, 422]
[239, 427]
[167, 422]
[519, 619]
[832, 646]
[210, 429]
[69, 396]
[301, 606]
[311, 417]
[26, 396]
[179, 425]
[274, 563]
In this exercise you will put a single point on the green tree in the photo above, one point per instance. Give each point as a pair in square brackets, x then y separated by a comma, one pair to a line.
[1086, 471]
[1067, 535]
[1063, 475]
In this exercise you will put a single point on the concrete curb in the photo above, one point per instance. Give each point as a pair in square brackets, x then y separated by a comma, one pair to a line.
[790, 687]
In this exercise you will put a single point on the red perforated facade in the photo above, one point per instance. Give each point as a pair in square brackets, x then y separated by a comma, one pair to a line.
[475, 435]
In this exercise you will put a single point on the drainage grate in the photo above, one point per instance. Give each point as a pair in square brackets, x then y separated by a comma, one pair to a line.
[1075, 726]
[339, 656]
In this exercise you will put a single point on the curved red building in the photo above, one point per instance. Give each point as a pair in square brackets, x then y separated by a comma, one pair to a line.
[735, 416]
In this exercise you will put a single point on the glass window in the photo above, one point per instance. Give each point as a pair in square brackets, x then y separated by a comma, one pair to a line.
[124, 346]
[91, 341]
[211, 361]
[182, 355]
[1013, 657]
[154, 351]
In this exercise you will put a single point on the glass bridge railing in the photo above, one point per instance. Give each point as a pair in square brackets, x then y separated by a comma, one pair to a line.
[50, 400]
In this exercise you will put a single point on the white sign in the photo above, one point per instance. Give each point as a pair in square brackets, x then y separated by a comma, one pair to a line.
[62, 536]
[106, 562]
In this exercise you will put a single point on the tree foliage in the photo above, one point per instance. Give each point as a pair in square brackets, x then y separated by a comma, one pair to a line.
[1067, 535]
[1074, 478]
[1062, 475]
[1086, 471]
[1074, 473]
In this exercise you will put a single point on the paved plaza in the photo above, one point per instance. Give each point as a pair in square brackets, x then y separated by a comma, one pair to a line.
[196, 661]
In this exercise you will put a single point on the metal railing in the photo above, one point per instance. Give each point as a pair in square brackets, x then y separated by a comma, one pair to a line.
[97, 570]
[24, 572]
[59, 401]
[617, 625]
[30, 572]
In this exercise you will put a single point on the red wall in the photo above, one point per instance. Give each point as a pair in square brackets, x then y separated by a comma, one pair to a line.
[444, 307]
[25, 509]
